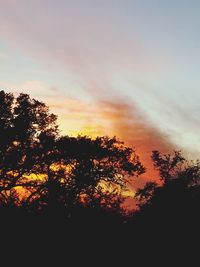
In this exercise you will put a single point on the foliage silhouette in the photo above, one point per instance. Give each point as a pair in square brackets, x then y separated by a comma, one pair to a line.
[175, 204]
[45, 173]
[72, 188]
[22, 122]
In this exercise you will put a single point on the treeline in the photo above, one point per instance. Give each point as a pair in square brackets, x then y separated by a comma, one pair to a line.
[49, 179]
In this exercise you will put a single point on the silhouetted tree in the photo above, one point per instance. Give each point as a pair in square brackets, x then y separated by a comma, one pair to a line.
[22, 123]
[86, 172]
[174, 204]
[168, 166]
[43, 171]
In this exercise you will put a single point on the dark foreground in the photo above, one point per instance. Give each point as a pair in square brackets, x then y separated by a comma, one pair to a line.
[92, 240]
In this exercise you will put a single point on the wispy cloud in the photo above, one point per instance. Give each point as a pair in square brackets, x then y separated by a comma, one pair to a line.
[114, 116]
[101, 47]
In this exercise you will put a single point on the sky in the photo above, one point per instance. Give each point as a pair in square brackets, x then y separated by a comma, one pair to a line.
[117, 67]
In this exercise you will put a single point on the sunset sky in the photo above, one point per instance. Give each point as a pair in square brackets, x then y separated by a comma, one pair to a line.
[118, 67]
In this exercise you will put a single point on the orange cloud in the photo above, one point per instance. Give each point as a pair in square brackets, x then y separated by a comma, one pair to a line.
[117, 117]
[127, 122]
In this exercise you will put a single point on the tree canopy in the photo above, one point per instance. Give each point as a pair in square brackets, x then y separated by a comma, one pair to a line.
[42, 170]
